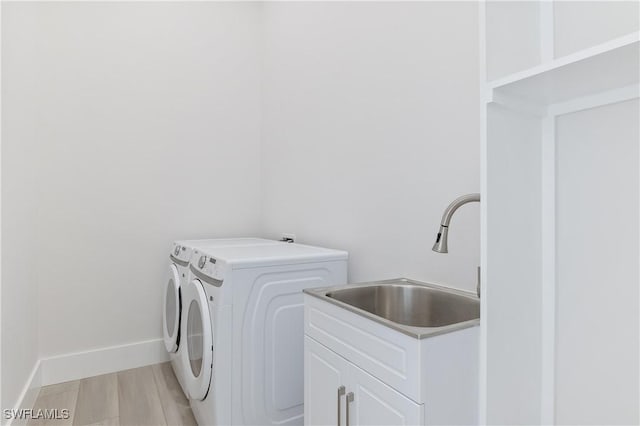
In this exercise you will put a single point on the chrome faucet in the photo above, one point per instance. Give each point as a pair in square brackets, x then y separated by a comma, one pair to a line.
[440, 245]
[441, 240]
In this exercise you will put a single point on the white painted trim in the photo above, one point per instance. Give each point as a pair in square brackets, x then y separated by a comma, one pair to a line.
[548, 212]
[639, 268]
[547, 40]
[566, 60]
[592, 101]
[78, 365]
[29, 394]
[608, 97]
[485, 97]
[1, 201]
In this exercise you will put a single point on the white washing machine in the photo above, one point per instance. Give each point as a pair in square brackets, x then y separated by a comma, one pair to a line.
[180, 255]
[244, 330]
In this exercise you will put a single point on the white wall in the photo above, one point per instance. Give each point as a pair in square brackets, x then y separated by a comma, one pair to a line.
[582, 24]
[19, 202]
[133, 124]
[147, 130]
[370, 129]
[521, 48]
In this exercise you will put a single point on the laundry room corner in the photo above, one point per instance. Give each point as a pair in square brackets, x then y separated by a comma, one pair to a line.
[115, 143]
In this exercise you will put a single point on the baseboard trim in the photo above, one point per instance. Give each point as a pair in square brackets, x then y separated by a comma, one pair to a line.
[79, 365]
[29, 394]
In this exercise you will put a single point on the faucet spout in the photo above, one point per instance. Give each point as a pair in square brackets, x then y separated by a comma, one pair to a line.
[440, 245]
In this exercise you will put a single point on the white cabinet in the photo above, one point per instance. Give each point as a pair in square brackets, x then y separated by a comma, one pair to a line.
[393, 378]
[375, 403]
[336, 387]
[324, 374]
[559, 152]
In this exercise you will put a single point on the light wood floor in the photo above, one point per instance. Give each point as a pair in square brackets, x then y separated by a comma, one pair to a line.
[142, 396]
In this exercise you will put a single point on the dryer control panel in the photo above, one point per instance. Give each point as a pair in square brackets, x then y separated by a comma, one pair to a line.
[180, 253]
[207, 266]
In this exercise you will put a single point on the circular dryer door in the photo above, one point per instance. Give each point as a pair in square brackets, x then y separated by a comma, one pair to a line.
[198, 339]
[172, 310]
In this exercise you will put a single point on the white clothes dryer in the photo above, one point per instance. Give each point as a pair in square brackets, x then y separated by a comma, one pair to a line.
[244, 330]
[180, 255]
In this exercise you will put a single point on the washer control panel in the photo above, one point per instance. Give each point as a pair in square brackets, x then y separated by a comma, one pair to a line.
[181, 252]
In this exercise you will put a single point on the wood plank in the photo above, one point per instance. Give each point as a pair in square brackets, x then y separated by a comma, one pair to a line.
[138, 397]
[60, 388]
[97, 399]
[108, 422]
[59, 401]
[174, 403]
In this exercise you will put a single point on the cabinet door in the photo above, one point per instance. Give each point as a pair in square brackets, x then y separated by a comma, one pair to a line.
[324, 373]
[375, 403]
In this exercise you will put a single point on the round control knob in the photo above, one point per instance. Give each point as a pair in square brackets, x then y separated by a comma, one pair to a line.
[176, 251]
[202, 261]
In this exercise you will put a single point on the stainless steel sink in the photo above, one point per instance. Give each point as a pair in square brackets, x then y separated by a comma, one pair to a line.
[414, 308]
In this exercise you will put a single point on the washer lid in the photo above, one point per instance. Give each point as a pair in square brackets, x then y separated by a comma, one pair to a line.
[172, 310]
[227, 242]
[198, 340]
[268, 255]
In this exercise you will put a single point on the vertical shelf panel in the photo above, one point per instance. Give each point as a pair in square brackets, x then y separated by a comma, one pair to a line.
[513, 268]
[597, 266]
[548, 307]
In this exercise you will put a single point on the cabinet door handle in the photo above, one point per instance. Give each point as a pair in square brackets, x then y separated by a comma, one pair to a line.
[349, 399]
[341, 391]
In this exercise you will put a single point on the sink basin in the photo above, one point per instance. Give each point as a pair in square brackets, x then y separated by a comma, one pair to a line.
[414, 308]
[410, 304]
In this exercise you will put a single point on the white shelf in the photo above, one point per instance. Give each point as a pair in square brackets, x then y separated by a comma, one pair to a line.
[609, 66]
